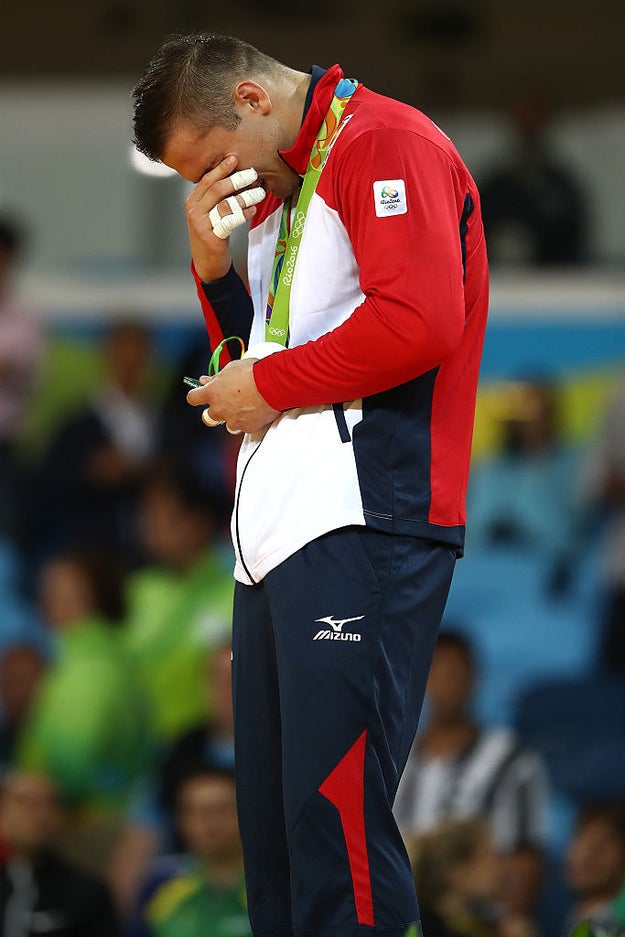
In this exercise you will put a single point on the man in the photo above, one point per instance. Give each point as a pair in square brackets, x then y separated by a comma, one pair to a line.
[149, 823]
[595, 868]
[458, 769]
[90, 687]
[349, 509]
[40, 893]
[180, 605]
[200, 893]
[22, 668]
[98, 458]
[535, 213]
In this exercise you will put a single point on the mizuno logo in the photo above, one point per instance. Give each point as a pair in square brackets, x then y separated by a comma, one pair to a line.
[337, 633]
[337, 623]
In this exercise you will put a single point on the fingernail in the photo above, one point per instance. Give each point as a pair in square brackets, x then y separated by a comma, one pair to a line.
[231, 159]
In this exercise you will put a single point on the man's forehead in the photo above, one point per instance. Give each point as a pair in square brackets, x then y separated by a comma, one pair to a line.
[189, 151]
[186, 134]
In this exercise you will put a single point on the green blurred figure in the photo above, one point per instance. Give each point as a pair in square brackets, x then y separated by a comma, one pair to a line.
[199, 893]
[88, 728]
[180, 606]
[595, 871]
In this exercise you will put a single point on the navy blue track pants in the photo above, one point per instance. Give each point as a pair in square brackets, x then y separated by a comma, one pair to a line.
[331, 653]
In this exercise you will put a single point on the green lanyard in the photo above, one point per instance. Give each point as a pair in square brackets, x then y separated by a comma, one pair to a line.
[289, 236]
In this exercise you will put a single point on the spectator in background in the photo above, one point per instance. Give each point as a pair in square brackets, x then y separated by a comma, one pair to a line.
[20, 351]
[180, 605]
[457, 876]
[20, 623]
[209, 742]
[92, 475]
[39, 892]
[532, 204]
[525, 495]
[595, 867]
[209, 457]
[150, 821]
[200, 893]
[88, 727]
[458, 769]
[605, 487]
[22, 667]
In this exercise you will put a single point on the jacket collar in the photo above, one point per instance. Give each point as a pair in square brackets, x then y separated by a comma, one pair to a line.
[322, 86]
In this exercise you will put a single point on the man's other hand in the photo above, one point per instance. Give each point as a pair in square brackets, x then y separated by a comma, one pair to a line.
[233, 399]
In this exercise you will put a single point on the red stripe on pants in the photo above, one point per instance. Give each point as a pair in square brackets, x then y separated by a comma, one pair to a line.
[344, 788]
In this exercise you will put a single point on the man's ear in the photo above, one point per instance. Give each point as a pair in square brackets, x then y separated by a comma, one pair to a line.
[249, 94]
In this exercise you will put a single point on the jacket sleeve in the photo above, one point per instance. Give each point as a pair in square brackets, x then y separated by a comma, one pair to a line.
[411, 274]
[227, 309]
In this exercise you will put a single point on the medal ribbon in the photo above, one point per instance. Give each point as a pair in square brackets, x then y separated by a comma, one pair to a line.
[290, 235]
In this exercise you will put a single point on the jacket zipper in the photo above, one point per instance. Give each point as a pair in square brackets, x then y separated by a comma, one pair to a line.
[236, 512]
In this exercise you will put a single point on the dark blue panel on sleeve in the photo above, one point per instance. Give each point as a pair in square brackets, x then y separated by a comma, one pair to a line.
[231, 303]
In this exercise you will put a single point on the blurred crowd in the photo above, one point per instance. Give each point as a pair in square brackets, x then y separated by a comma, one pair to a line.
[535, 208]
[117, 807]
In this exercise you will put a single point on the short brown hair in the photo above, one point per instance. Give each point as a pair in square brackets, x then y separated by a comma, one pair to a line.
[434, 855]
[612, 815]
[191, 79]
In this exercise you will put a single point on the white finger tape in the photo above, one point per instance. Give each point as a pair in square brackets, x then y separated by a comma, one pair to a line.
[242, 178]
[233, 204]
[227, 225]
[214, 217]
[224, 225]
[206, 419]
[252, 196]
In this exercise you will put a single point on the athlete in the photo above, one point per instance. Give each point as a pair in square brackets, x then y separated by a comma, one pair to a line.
[368, 280]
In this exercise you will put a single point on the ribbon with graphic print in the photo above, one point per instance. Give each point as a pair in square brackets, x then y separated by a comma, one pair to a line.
[290, 234]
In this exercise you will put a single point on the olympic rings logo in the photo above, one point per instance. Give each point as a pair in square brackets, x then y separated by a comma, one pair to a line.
[298, 225]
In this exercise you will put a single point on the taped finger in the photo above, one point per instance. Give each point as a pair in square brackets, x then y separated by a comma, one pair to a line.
[224, 225]
[242, 178]
[251, 196]
[227, 224]
[214, 217]
[235, 207]
[206, 419]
